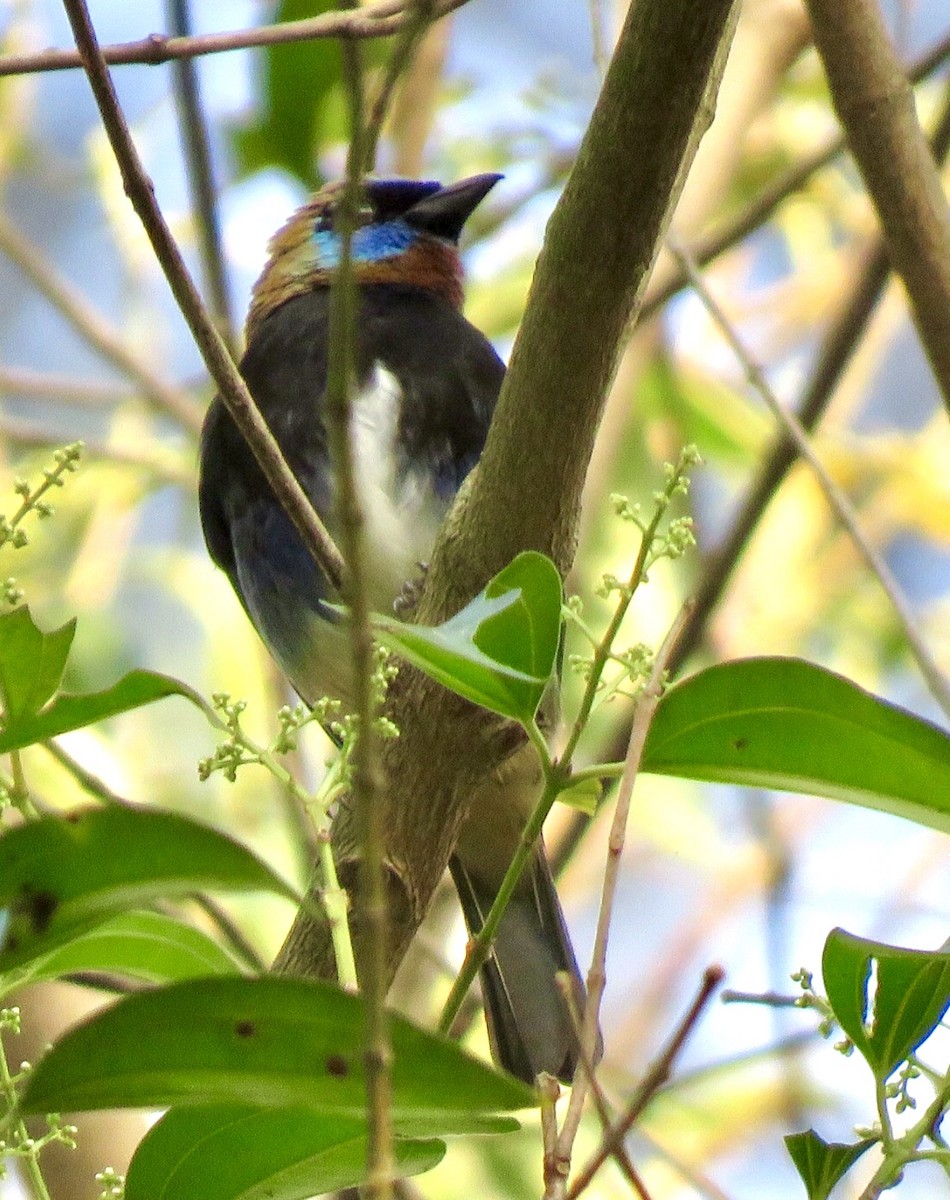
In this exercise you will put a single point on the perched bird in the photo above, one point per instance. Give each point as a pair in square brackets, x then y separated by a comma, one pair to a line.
[427, 382]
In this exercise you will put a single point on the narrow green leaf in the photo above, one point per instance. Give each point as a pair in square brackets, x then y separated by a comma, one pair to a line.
[31, 662]
[62, 875]
[265, 1041]
[142, 945]
[910, 995]
[785, 723]
[821, 1164]
[74, 711]
[500, 650]
[238, 1152]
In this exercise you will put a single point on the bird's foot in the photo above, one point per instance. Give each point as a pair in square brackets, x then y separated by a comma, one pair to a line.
[410, 593]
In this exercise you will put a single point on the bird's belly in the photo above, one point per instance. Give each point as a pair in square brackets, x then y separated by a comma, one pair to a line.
[287, 596]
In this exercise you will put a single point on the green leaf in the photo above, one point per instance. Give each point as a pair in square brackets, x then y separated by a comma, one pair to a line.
[31, 662]
[584, 795]
[62, 875]
[143, 945]
[785, 723]
[500, 650]
[821, 1164]
[910, 994]
[265, 1041]
[302, 109]
[237, 1152]
[74, 711]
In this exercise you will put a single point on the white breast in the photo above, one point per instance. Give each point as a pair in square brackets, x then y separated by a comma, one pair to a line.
[402, 514]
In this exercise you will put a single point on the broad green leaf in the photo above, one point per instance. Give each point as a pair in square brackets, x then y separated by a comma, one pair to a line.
[31, 662]
[302, 109]
[584, 796]
[821, 1164]
[239, 1152]
[143, 945]
[62, 875]
[910, 994]
[784, 723]
[74, 711]
[500, 650]
[265, 1041]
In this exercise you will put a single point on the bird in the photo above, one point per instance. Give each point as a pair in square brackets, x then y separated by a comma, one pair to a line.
[426, 386]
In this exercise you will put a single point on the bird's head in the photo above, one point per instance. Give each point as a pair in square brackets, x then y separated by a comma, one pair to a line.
[407, 233]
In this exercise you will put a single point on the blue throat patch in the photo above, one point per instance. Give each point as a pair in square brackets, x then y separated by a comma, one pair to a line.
[370, 243]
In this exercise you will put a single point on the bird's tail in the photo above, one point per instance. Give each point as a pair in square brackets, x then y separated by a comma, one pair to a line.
[529, 1026]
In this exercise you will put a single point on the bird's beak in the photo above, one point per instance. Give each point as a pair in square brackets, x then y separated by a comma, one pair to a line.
[444, 213]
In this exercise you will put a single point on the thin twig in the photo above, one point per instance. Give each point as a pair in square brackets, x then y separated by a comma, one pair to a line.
[231, 386]
[421, 14]
[834, 354]
[230, 931]
[643, 714]
[367, 781]
[201, 180]
[652, 1082]
[94, 328]
[710, 246]
[839, 503]
[378, 20]
[66, 389]
[586, 1065]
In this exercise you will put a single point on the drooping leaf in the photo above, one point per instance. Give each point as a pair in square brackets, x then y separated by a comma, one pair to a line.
[74, 711]
[62, 875]
[784, 723]
[31, 662]
[264, 1041]
[240, 1152]
[500, 650]
[822, 1164]
[142, 945]
[910, 994]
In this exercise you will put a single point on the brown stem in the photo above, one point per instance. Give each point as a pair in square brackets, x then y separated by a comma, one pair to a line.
[875, 104]
[378, 20]
[233, 390]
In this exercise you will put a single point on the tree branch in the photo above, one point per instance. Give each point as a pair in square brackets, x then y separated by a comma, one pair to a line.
[875, 104]
[600, 245]
[221, 366]
[377, 20]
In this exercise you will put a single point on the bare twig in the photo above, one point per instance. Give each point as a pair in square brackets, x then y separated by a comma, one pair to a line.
[421, 15]
[367, 776]
[840, 505]
[67, 389]
[711, 245]
[233, 390]
[833, 356]
[652, 1082]
[201, 180]
[94, 328]
[586, 1065]
[378, 20]
[643, 714]
[875, 104]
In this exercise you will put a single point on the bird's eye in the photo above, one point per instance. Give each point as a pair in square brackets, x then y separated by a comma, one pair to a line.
[328, 218]
[325, 220]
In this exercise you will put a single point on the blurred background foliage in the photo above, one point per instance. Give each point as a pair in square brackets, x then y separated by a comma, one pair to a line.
[91, 347]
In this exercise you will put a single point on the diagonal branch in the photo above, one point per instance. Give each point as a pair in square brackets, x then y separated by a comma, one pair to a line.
[875, 104]
[221, 366]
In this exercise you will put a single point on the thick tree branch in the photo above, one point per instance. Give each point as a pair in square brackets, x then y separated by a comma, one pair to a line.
[599, 248]
[875, 104]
